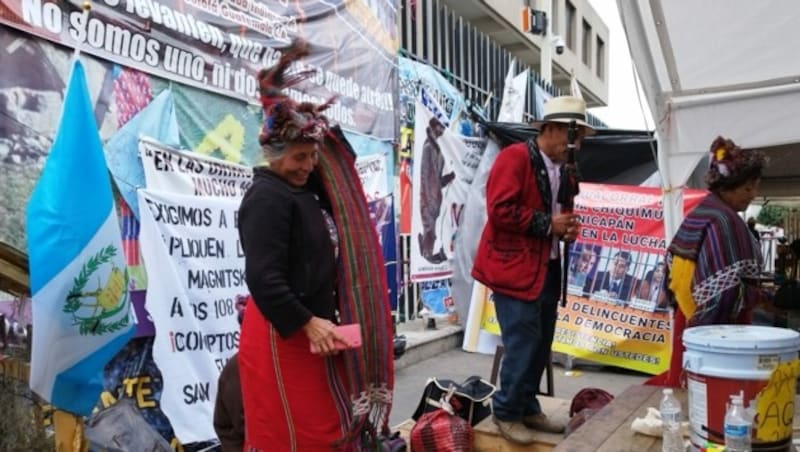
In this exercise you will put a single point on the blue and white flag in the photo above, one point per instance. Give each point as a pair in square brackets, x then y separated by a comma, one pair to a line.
[79, 282]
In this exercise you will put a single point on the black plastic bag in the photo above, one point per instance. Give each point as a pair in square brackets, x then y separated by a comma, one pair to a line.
[121, 428]
[470, 401]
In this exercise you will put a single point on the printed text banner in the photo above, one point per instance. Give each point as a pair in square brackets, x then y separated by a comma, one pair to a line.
[171, 170]
[195, 270]
[221, 46]
[373, 173]
[614, 335]
[625, 217]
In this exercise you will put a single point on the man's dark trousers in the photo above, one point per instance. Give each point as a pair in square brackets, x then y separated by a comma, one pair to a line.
[527, 331]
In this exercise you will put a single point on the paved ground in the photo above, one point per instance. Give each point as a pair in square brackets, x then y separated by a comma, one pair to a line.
[458, 365]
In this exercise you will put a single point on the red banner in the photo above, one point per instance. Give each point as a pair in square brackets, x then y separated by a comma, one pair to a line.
[626, 217]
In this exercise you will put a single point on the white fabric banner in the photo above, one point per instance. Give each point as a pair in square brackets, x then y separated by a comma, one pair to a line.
[444, 165]
[542, 97]
[195, 269]
[174, 171]
[374, 175]
[513, 106]
[469, 294]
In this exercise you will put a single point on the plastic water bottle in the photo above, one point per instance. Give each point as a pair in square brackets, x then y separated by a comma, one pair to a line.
[672, 439]
[738, 428]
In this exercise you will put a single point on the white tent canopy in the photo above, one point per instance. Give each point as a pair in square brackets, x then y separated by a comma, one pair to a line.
[718, 67]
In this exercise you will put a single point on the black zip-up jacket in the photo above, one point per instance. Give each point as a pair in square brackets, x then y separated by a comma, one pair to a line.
[289, 257]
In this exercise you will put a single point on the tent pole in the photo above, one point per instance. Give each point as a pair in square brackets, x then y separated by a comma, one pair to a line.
[671, 192]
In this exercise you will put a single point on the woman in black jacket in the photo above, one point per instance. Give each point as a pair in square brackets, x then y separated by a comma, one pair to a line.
[296, 386]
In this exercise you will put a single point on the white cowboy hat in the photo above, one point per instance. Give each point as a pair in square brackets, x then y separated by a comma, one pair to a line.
[565, 109]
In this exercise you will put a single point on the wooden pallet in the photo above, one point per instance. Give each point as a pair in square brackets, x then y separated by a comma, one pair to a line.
[488, 439]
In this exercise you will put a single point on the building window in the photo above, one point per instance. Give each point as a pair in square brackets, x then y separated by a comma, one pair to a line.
[587, 44]
[572, 23]
[600, 67]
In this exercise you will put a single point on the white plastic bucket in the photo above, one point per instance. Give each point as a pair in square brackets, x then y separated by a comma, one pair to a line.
[722, 360]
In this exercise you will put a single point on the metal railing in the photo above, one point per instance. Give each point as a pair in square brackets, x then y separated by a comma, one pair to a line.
[408, 293]
[433, 34]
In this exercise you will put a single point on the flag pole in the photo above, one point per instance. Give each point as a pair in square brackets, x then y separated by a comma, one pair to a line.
[68, 427]
[86, 6]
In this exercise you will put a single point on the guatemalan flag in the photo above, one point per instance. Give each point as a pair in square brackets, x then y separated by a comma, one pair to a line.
[81, 305]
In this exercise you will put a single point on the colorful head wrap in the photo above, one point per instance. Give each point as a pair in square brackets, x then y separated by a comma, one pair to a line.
[285, 120]
[731, 166]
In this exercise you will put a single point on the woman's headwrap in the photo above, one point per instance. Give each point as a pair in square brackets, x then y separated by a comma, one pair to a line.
[731, 165]
[285, 120]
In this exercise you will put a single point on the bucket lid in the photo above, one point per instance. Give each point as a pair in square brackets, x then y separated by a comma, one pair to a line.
[738, 337]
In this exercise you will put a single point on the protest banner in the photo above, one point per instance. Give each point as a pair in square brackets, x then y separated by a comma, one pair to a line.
[195, 268]
[616, 312]
[170, 170]
[444, 165]
[220, 46]
[381, 211]
[374, 176]
[405, 175]
[415, 76]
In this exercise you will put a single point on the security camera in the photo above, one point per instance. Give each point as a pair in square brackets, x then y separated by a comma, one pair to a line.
[558, 44]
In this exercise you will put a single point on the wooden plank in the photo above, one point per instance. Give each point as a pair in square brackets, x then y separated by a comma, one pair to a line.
[405, 431]
[605, 422]
[610, 429]
[626, 440]
[488, 438]
[14, 277]
[15, 369]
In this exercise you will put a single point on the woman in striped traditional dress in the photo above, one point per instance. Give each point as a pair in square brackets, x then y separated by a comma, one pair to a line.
[713, 261]
[312, 261]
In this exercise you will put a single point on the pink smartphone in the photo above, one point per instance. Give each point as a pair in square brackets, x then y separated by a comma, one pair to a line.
[351, 333]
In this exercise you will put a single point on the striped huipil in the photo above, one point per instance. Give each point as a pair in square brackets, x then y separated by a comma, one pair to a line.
[712, 266]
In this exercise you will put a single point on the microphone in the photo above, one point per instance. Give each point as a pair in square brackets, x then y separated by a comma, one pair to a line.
[566, 196]
[572, 135]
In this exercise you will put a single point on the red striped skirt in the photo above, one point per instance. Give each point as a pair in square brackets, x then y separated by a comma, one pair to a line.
[291, 397]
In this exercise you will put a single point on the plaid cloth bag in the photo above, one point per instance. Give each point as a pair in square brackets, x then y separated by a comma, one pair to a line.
[442, 430]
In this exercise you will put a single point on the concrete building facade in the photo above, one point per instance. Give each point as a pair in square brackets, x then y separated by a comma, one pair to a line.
[472, 42]
[583, 32]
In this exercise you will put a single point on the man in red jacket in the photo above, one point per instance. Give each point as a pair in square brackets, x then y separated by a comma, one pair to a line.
[518, 259]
